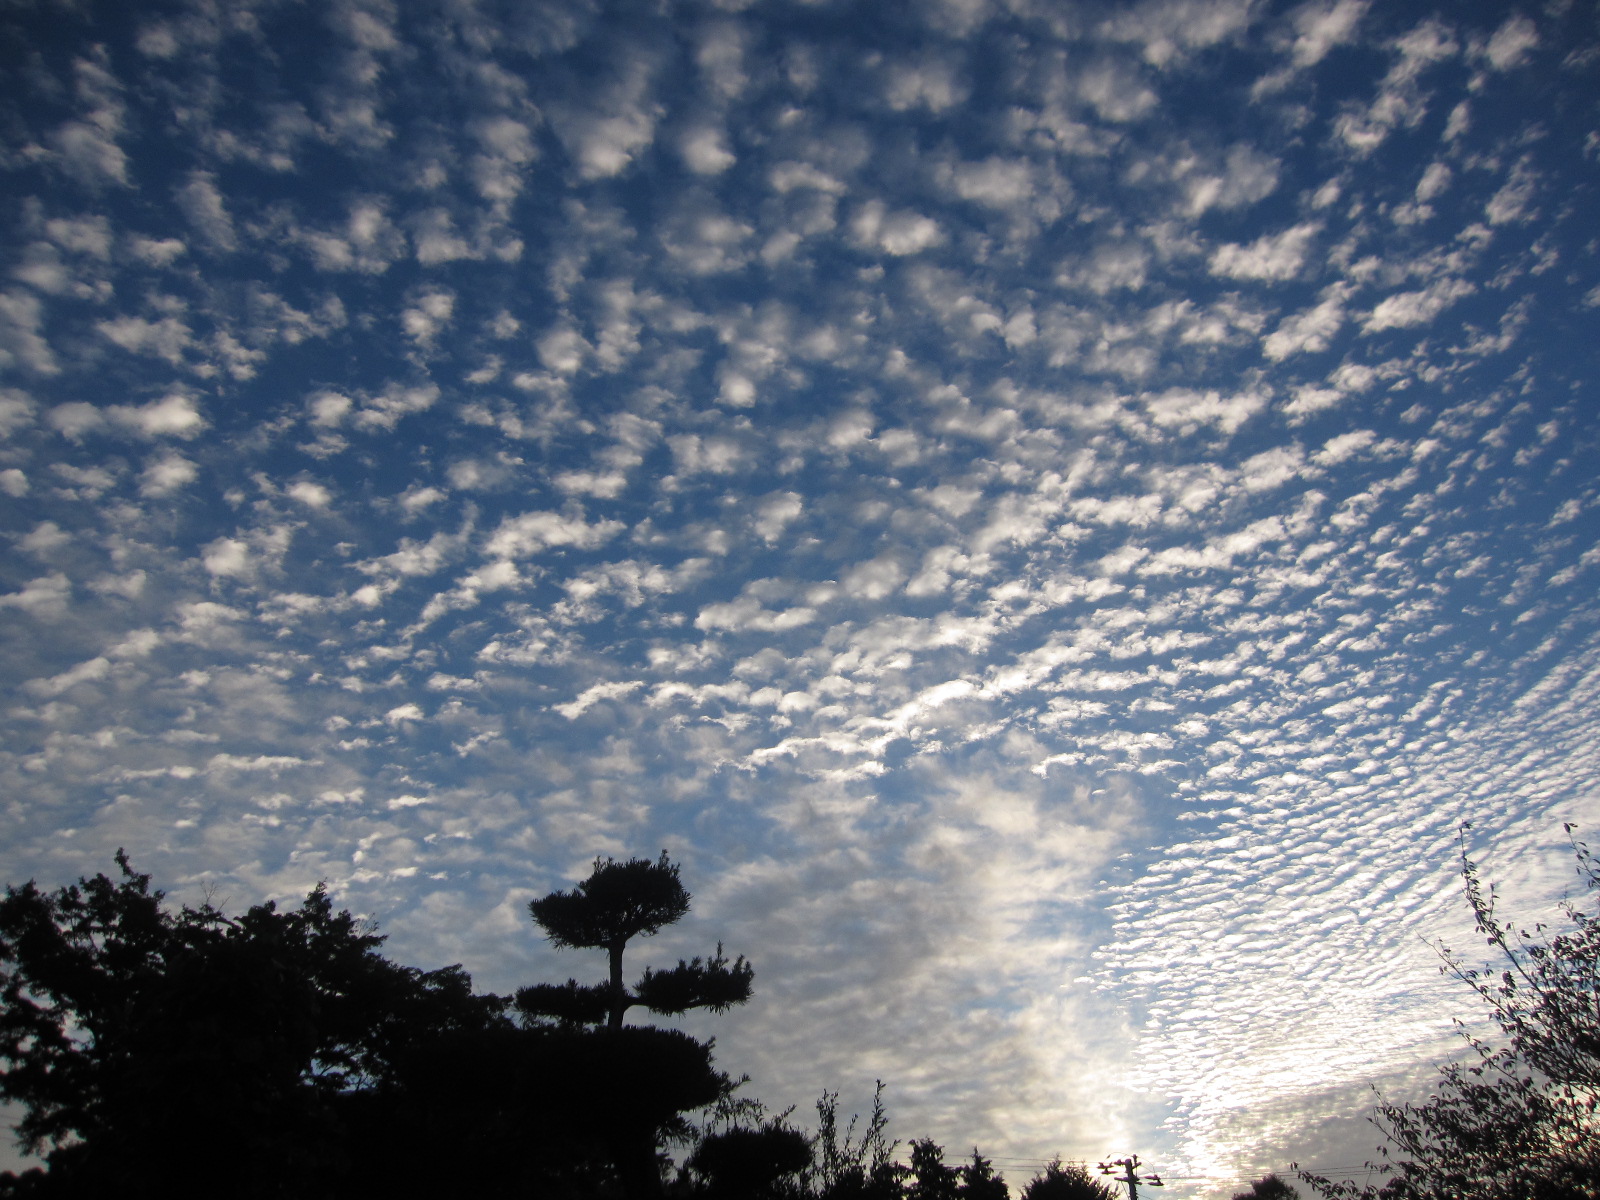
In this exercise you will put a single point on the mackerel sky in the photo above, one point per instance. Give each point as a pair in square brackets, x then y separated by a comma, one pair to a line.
[1052, 512]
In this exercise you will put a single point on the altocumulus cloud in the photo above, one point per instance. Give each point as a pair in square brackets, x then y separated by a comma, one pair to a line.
[1053, 548]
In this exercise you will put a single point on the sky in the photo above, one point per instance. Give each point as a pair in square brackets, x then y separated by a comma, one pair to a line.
[1053, 514]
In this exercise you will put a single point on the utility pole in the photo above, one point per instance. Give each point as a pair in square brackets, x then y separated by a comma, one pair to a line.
[1129, 1174]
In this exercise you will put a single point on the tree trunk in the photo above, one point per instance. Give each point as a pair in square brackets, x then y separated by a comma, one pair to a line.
[619, 995]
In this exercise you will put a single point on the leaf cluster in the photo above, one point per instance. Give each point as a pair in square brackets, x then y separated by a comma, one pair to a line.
[618, 901]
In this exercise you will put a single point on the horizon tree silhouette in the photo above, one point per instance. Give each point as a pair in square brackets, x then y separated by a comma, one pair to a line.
[1269, 1187]
[648, 1077]
[929, 1178]
[154, 1052]
[1067, 1181]
[620, 901]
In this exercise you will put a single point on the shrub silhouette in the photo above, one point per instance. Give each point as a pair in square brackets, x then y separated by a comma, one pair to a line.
[1517, 1120]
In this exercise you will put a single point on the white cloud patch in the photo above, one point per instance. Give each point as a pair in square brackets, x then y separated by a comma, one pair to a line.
[87, 146]
[167, 474]
[21, 342]
[896, 233]
[1406, 309]
[227, 557]
[774, 514]
[1271, 256]
[876, 579]
[1512, 201]
[90, 671]
[163, 337]
[1168, 29]
[1186, 409]
[932, 83]
[208, 214]
[534, 532]
[1512, 43]
[1310, 331]
[428, 315]
[17, 411]
[705, 150]
[1245, 176]
[748, 613]
[1115, 91]
[174, 415]
[45, 597]
[605, 136]
[383, 411]
[309, 493]
[1320, 26]
[594, 694]
[368, 241]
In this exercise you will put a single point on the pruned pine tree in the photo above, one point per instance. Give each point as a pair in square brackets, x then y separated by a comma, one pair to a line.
[620, 901]
[750, 1162]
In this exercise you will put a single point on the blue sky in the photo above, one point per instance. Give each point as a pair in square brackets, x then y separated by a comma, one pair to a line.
[1052, 512]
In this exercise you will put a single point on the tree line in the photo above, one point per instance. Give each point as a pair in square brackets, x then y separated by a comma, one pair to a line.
[280, 1053]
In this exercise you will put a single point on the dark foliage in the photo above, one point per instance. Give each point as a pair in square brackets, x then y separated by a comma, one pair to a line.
[570, 1002]
[1068, 1181]
[646, 1073]
[620, 901]
[929, 1178]
[1269, 1187]
[748, 1164]
[713, 983]
[617, 902]
[847, 1168]
[195, 1049]
[279, 1053]
[979, 1181]
[158, 1053]
[1515, 1121]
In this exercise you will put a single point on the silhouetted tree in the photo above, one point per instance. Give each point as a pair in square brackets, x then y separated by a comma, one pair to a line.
[980, 1182]
[849, 1169]
[646, 1078]
[1516, 1121]
[1269, 1187]
[930, 1178]
[1067, 1181]
[618, 902]
[153, 1051]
